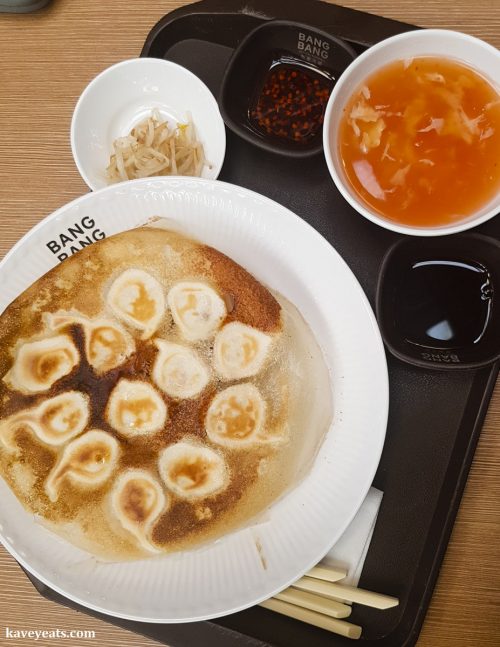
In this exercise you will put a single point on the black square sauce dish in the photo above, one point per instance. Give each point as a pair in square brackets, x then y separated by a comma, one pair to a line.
[277, 84]
[438, 301]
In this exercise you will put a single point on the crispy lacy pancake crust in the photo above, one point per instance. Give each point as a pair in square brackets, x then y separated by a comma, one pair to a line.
[133, 512]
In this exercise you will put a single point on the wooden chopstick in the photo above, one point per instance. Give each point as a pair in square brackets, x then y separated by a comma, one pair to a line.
[314, 603]
[319, 600]
[329, 573]
[340, 627]
[337, 592]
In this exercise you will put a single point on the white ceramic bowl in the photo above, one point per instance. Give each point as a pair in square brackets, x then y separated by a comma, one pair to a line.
[123, 95]
[426, 42]
[253, 563]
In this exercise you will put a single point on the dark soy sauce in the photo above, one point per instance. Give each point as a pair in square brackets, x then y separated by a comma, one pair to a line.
[444, 303]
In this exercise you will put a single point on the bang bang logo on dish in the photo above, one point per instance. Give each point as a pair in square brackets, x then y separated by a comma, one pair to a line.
[79, 235]
[313, 48]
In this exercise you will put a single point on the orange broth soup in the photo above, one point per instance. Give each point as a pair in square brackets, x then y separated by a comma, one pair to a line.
[420, 141]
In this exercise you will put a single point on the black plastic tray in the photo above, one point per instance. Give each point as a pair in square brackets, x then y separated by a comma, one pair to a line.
[435, 417]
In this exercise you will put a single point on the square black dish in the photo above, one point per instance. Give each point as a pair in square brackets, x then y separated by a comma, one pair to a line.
[436, 303]
[276, 57]
[435, 417]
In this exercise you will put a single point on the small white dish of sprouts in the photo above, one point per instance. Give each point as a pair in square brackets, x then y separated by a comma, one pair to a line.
[146, 117]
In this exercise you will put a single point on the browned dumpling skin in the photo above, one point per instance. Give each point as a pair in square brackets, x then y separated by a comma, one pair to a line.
[54, 421]
[236, 417]
[135, 409]
[41, 363]
[197, 309]
[179, 371]
[137, 299]
[107, 344]
[137, 500]
[87, 462]
[193, 471]
[240, 351]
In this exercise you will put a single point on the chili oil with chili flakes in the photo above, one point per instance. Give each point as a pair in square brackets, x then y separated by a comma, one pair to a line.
[290, 104]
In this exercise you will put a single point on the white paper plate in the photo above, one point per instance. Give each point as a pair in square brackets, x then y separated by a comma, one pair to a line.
[287, 254]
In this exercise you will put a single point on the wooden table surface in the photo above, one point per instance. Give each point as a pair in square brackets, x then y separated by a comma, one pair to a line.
[46, 60]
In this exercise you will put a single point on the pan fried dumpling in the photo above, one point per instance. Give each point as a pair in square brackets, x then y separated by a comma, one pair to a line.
[87, 461]
[137, 299]
[240, 351]
[197, 309]
[178, 371]
[40, 364]
[137, 500]
[135, 408]
[54, 421]
[193, 471]
[236, 417]
[107, 345]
